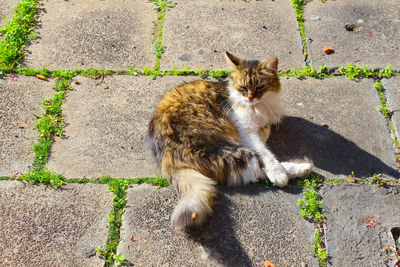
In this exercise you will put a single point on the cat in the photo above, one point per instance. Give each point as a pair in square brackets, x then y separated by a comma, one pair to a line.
[203, 133]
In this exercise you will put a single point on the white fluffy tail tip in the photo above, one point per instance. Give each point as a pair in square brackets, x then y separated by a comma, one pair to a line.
[188, 213]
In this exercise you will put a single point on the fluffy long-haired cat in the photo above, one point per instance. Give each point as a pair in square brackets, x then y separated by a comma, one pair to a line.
[204, 133]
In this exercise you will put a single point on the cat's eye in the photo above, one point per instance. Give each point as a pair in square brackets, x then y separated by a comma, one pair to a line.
[244, 88]
[260, 87]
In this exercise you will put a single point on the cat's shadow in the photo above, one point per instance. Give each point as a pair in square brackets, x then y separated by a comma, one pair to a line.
[330, 152]
[297, 139]
[218, 235]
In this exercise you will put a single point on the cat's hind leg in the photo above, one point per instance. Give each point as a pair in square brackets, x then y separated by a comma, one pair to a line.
[295, 169]
[197, 196]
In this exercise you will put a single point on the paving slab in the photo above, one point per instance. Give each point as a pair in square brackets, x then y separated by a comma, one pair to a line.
[197, 33]
[20, 98]
[106, 126]
[6, 11]
[93, 34]
[41, 226]
[250, 225]
[392, 87]
[371, 37]
[335, 124]
[358, 223]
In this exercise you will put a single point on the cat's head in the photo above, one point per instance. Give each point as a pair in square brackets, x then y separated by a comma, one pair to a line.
[253, 79]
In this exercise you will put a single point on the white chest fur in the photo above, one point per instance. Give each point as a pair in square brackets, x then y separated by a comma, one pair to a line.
[253, 116]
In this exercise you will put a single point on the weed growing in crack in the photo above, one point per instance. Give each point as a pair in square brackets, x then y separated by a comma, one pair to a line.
[161, 6]
[118, 188]
[298, 6]
[311, 209]
[383, 107]
[310, 205]
[319, 249]
[41, 175]
[50, 123]
[17, 32]
[386, 72]
[308, 71]
[357, 72]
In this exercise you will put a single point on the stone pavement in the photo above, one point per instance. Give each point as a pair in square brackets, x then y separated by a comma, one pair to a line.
[333, 122]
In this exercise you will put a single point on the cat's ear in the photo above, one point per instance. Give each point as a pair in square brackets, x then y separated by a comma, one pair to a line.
[270, 65]
[233, 60]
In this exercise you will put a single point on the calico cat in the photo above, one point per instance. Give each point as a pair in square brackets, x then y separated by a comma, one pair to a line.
[204, 133]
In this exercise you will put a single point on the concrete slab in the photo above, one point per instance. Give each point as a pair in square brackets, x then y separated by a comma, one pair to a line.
[197, 33]
[335, 124]
[41, 226]
[392, 87]
[106, 126]
[20, 98]
[6, 11]
[372, 38]
[250, 225]
[358, 221]
[93, 34]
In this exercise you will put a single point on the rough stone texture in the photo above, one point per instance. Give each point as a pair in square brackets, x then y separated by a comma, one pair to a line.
[376, 43]
[358, 221]
[41, 226]
[250, 225]
[6, 11]
[93, 34]
[392, 87]
[18, 101]
[335, 124]
[193, 30]
[106, 127]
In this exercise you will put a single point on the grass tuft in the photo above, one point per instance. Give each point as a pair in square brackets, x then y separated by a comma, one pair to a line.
[161, 6]
[310, 205]
[17, 33]
[311, 209]
[43, 176]
[298, 6]
[118, 188]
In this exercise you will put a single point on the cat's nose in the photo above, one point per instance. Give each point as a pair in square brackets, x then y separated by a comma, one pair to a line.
[250, 97]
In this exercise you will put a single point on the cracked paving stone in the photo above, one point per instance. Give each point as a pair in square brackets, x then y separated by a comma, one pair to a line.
[334, 123]
[42, 226]
[249, 226]
[392, 87]
[250, 29]
[106, 126]
[93, 34]
[358, 221]
[361, 32]
[20, 98]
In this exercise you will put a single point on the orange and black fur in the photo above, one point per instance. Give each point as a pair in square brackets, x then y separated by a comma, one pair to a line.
[204, 133]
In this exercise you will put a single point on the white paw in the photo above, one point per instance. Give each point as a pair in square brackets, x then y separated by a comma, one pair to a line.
[294, 169]
[277, 175]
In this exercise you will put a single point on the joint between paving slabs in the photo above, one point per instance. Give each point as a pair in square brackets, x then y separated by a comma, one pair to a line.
[298, 6]
[161, 6]
[385, 110]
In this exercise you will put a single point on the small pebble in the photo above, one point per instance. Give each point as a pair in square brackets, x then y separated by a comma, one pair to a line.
[314, 17]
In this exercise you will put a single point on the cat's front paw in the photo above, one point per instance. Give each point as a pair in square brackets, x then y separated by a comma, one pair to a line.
[295, 169]
[277, 175]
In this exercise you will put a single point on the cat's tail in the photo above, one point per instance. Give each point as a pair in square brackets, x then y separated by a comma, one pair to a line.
[197, 196]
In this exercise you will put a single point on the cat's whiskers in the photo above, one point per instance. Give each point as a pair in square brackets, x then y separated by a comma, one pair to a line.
[229, 106]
